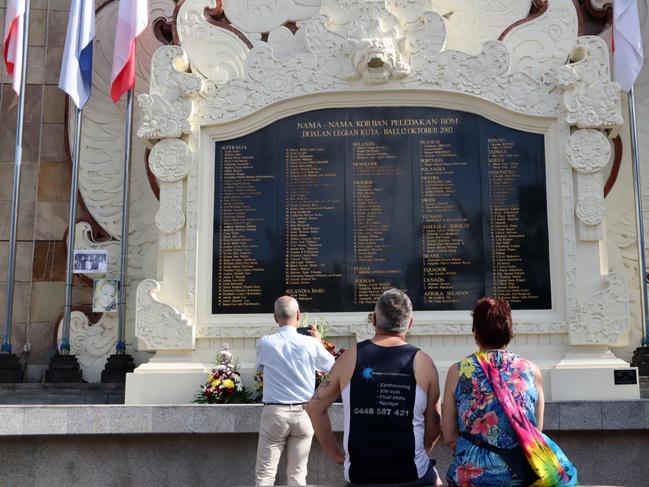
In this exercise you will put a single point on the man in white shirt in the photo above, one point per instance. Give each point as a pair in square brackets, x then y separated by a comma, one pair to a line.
[289, 362]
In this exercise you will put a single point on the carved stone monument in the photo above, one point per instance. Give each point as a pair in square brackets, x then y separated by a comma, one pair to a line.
[378, 76]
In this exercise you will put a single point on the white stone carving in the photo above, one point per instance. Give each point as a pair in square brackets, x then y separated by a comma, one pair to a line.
[540, 46]
[160, 326]
[215, 53]
[100, 180]
[590, 99]
[167, 108]
[472, 23]
[391, 45]
[170, 161]
[92, 344]
[604, 319]
[588, 152]
[360, 330]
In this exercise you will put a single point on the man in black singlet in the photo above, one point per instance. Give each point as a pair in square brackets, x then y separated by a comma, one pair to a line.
[390, 392]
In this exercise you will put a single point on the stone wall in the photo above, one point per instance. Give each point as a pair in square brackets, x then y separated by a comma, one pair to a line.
[44, 204]
[44, 199]
[216, 445]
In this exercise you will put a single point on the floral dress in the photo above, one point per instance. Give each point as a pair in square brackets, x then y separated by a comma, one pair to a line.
[480, 415]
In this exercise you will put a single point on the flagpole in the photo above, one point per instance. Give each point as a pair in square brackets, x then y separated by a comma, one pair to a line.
[13, 374]
[121, 341]
[120, 363]
[63, 366]
[639, 213]
[72, 222]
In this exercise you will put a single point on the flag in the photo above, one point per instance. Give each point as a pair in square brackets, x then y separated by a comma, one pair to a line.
[132, 20]
[627, 43]
[76, 68]
[13, 41]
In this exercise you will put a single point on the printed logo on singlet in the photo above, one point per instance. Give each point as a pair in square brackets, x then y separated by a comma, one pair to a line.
[367, 373]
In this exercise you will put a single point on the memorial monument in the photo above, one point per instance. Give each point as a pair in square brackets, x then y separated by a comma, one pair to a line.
[332, 149]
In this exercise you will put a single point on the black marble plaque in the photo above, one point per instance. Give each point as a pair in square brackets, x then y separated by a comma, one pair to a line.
[334, 206]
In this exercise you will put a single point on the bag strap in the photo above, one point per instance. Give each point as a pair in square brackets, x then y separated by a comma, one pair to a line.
[540, 456]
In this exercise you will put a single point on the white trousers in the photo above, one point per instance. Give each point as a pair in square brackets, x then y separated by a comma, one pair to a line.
[280, 426]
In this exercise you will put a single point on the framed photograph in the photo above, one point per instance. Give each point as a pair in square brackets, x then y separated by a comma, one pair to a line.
[90, 261]
[104, 296]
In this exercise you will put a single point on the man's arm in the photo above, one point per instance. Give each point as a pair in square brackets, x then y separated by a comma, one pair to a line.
[317, 407]
[324, 361]
[259, 364]
[427, 372]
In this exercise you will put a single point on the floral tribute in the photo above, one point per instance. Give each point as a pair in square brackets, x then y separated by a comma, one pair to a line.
[322, 327]
[224, 385]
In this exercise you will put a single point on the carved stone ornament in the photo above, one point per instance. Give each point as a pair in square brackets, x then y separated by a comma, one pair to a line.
[170, 161]
[604, 319]
[588, 151]
[160, 326]
[92, 344]
[349, 45]
[167, 108]
[363, 331]
[590, 99]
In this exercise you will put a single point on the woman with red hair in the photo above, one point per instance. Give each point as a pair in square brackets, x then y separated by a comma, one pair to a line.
[493, 412]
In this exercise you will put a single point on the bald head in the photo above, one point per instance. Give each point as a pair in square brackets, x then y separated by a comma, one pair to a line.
[287, 311]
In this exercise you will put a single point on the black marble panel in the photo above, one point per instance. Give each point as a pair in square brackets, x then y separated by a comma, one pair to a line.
[333, 206]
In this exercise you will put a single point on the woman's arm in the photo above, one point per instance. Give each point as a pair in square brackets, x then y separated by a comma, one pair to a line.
[449, 408]
[540, 403]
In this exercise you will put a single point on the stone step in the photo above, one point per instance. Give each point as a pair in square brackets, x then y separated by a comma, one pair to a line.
[48, 394]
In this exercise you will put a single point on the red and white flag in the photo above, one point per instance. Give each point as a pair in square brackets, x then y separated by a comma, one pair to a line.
[13, 41]
[132, 19]
[628, 57]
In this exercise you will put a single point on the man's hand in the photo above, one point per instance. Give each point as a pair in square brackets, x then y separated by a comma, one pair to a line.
[315, 333]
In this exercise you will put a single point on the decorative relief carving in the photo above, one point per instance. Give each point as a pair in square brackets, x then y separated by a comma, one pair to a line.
[92, 344]
[363, 332]
[588, 152]
[366, 330]
[355, 44]
[604, 319]
[590, 99]
[472, 23]
[215, 53]
[160, 326]
[542, 45]
[167, 108]
[170, 161]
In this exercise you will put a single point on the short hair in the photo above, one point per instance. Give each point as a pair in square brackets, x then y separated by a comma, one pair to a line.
[286, 308]
[393, 311]
[492, 322]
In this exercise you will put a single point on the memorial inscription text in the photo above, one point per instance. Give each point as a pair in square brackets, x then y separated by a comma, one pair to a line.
[334, 206]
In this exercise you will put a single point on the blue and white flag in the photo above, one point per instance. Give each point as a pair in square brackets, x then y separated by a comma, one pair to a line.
[76, 69]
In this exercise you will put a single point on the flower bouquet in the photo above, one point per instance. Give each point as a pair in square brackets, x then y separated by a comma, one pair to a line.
[224, 385]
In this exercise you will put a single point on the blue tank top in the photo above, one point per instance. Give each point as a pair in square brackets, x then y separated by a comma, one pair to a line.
[384, 417]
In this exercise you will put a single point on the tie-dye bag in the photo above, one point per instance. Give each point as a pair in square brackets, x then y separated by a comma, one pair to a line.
[546, 459]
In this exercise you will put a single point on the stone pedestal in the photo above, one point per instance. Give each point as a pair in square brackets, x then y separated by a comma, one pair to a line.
[64, 368]
[593, 376]
[168, 378]
[10, 368]
[641, 360]
[117, 366]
